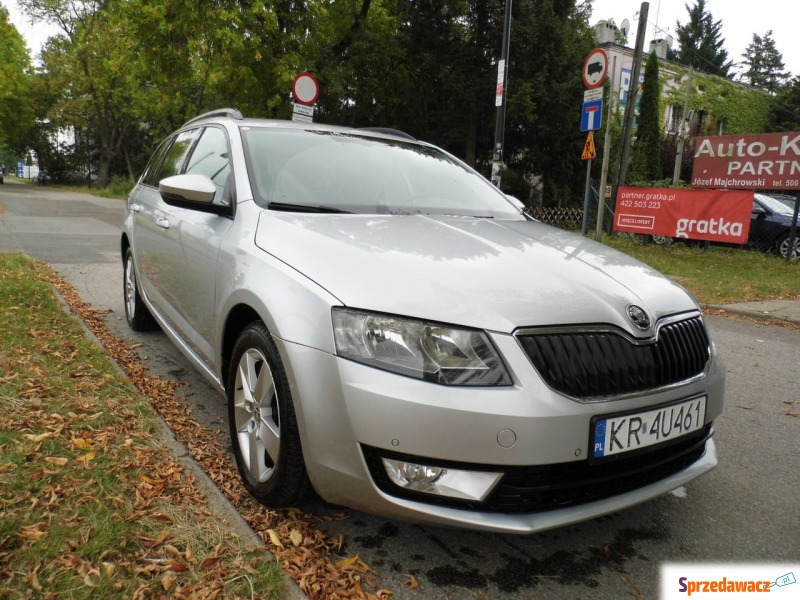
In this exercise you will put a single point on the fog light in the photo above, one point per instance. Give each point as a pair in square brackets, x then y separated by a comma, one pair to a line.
[440, 481]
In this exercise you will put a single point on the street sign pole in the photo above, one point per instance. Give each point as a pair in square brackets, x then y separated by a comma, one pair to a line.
[633, 90]
[601, 201]
[594, 72]
[587, 197]
[500, 99]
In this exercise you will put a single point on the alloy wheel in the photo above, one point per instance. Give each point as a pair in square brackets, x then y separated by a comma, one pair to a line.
[257, 415]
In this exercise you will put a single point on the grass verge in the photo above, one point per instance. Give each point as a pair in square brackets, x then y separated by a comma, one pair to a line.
[92, 505]
[718, 275]
[321, 566]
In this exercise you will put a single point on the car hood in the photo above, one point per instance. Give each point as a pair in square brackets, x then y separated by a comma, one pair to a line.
[482, 273]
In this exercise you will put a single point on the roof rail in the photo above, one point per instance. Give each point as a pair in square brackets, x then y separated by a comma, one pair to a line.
[220, 112]
[390, 131]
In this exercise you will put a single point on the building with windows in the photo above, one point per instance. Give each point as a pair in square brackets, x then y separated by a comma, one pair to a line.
[717, 105]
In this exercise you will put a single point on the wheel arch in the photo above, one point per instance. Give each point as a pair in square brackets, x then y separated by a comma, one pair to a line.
[238, 318]
[124, 244]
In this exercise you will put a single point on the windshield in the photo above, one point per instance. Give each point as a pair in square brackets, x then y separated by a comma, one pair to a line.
[775, 205]
[341, 172]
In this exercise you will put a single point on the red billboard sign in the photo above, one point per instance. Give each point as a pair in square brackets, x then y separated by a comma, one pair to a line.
[766, 161]
[713, 215]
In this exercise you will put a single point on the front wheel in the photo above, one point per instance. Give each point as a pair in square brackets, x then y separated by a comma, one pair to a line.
[136, 313]
[783, 246]
[263, 425]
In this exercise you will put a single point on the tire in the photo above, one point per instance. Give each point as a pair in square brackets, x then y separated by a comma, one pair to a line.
[662, 240]
[782, 245]
[136, 313]
[263, 425]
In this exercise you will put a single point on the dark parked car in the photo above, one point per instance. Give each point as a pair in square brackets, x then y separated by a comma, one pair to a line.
[788, 200]
[770, 226]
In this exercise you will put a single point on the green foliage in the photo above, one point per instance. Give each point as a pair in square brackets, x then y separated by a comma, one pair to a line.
[16, 116]
[742, 109]
[119, 187]
[700, 42]
[124, 73]
[550, 40]
[8, 157]
[785, 111]
[425, 67]
[763, 64]
[646, 163]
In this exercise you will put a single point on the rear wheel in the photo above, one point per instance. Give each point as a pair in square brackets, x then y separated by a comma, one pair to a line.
[263, 425]
[137, 314]
[783, 246]
[662, 240]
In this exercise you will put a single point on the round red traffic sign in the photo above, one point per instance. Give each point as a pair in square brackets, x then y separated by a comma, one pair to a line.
[305, 89]
[595, 68]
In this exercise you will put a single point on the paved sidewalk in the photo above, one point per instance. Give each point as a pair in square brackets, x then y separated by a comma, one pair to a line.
[778, 310]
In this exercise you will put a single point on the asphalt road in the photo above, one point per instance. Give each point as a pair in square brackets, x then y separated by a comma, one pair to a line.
[746, 510]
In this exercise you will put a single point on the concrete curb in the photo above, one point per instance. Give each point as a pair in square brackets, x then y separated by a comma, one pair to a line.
[786, 311]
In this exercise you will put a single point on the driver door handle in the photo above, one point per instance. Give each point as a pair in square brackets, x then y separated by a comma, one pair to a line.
[162, 222]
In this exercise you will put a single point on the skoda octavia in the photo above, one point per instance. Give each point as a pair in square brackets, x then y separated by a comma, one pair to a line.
[395, 334]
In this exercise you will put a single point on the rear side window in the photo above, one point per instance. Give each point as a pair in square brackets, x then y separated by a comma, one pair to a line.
[176, 155]
[211, 158]
[150, 175]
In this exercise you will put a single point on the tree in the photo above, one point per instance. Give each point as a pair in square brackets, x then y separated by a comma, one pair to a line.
[549, 41]
[785, 114]
[16, 116]
[124, 73]
[94, 69]
[434, 77]
[646, 163]
[763, 64]
[701, 43]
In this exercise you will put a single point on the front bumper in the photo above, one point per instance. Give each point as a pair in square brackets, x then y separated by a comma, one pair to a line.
[344, 407]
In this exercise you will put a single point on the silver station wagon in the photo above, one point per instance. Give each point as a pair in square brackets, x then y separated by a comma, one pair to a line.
[394, 333]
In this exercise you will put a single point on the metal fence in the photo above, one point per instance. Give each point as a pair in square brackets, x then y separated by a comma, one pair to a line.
[565, 218]
[571, 219]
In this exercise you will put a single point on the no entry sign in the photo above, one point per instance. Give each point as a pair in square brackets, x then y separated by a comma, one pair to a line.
[305, 89]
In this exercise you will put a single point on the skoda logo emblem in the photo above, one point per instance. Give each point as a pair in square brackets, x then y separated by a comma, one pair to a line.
[639, 317]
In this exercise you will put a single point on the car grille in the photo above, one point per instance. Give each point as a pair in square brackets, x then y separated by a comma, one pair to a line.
[535, 489]
[590, 364]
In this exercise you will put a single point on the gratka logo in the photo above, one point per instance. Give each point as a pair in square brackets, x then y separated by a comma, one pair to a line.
[714, 226]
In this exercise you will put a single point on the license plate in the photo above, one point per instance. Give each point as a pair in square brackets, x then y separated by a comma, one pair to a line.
[626, 433]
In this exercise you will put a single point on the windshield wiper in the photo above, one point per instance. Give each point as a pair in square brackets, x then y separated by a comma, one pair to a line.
[304, 208]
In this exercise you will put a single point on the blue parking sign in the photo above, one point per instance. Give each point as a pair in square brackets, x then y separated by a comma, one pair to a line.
[592, 115]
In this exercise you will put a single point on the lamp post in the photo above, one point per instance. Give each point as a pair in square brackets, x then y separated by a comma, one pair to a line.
[500, 99]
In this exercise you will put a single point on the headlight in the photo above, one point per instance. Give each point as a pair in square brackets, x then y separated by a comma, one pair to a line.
[418, 349]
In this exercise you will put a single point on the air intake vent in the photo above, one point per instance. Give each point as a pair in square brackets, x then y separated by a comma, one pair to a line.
[606, 363]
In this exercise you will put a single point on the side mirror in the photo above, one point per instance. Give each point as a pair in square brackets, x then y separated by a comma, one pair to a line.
[187, 188]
